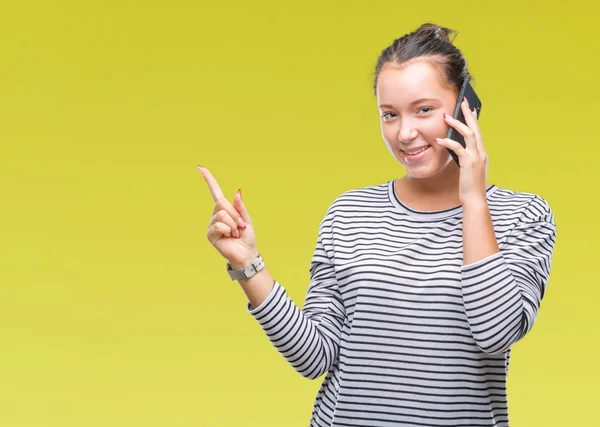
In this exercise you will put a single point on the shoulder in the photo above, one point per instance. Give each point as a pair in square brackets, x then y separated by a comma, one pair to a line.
[353, 199]
[527, 206]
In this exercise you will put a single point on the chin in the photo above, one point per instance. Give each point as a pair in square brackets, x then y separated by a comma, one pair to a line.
[425, 171]
[420, 173]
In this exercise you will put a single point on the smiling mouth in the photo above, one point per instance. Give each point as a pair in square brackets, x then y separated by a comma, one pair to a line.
[414, 152]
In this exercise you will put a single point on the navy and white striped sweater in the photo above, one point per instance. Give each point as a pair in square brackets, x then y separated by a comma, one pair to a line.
[407, 334]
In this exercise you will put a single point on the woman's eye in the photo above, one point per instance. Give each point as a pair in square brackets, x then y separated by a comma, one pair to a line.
[387, 114]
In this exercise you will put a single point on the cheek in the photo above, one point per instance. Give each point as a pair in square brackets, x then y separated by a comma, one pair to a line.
[386, 132]
[435, 129]
[389, 139]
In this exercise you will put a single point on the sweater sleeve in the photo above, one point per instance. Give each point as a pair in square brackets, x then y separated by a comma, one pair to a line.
[309, 339]
[502, 292]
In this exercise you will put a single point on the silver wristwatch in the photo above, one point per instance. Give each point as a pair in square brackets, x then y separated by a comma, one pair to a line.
[248, 271]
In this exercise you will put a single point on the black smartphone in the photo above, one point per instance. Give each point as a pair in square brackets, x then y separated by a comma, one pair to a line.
[474, 101]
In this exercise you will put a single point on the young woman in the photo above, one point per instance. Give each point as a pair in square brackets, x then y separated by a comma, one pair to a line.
[419, 286]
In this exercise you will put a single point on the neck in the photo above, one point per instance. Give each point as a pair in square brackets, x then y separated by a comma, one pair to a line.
[445, 183]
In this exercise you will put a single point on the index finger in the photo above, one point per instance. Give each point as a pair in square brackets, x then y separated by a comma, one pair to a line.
[471, 120]
[213, 186]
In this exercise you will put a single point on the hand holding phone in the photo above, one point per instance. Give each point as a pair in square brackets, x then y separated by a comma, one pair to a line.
[466, 90]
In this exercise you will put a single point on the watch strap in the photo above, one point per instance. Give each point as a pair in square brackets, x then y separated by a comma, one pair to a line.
[247, 271]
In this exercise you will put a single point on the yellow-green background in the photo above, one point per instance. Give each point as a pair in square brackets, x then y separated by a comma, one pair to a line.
[114, 308]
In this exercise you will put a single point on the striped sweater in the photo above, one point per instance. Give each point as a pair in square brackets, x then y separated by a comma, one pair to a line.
[407, 334]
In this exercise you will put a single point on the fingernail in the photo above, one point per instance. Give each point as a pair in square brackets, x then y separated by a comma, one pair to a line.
[235, 233]
[199, 167]
[241, 222]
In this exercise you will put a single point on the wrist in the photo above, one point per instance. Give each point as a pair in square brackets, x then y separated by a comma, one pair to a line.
[236, 264]
[475, 203]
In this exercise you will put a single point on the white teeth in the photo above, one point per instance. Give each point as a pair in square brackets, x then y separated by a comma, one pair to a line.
[417, 152]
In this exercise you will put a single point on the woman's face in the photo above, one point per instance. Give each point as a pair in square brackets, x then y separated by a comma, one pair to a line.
[412, 102]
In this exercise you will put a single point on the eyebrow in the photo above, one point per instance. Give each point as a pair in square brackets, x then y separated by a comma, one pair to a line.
[416, 101]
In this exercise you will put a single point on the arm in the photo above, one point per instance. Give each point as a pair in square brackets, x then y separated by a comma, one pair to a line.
[309, 339]
[502, 290]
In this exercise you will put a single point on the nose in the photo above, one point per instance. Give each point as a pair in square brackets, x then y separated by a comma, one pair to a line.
[406, 132]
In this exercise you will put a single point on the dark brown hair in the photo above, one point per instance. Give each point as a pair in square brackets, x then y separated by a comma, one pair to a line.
[431, 42]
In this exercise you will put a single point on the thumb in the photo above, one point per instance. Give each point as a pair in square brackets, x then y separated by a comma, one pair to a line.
[241, 207]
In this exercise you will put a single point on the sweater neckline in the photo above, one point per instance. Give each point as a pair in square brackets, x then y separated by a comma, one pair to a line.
[437, 214]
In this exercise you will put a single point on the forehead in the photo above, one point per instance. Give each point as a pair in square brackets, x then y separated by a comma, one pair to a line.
[418, 79]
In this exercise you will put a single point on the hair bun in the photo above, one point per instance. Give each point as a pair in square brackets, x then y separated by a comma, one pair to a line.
[437, 31]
